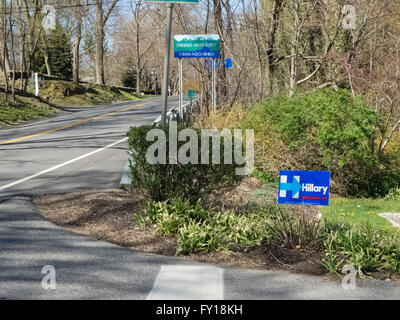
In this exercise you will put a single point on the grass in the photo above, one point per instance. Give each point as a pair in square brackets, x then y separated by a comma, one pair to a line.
[60, 93]
[84, 94]
[23, 110]
[360, 211]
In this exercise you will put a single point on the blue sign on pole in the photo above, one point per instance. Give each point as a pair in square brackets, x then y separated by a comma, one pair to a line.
[228, 63]
[304, 187]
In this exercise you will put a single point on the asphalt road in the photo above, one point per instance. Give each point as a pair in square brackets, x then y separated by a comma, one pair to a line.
[66, 154]
[22, 154]
[89, 269]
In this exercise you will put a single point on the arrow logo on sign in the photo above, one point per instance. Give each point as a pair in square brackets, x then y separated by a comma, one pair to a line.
[294, 187]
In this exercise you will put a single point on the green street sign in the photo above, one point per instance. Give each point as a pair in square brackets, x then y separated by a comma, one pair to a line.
[179, 1]
[196, 46]
[192, 94]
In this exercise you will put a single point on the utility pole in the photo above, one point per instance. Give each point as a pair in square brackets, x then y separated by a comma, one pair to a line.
[167, 57]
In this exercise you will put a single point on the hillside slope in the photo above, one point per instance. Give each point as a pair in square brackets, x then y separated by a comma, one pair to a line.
[54, 94]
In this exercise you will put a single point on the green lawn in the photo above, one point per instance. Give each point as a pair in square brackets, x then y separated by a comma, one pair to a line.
[358, 211]
[60, 93]
[11, 113]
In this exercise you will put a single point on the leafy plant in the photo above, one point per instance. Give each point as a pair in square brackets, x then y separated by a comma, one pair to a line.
[365, 247]
[393, 195]
[291, 230]
[323, 130]
[204, 230]
[165, 181]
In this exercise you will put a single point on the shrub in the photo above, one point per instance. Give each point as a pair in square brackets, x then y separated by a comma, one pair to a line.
[165, 181]
[393, 195]
[323, 130]
[365, 247]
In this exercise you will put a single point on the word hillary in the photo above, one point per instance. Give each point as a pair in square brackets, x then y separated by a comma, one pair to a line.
[188, 153]
[309, 187]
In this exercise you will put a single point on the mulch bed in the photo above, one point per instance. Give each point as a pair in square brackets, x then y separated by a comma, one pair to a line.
[108, 215]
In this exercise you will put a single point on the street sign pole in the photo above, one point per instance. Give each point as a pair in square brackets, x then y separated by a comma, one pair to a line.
[166, 64]
[181, 88]
[227, 82]
[214, 86]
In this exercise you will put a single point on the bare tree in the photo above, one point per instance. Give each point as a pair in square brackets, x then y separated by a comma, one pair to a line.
[102, 16]
[78, 13]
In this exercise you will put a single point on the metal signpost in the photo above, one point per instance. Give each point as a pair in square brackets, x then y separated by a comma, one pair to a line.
[167, 53]
[197, 46]
[304, 187]
[180, 89]
[228, 65]
[214, 87]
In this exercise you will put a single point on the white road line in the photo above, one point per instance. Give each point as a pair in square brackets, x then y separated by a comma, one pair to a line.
[61, 165]
[176, 282]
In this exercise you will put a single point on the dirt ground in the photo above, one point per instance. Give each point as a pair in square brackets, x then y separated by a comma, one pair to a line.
[109, 215]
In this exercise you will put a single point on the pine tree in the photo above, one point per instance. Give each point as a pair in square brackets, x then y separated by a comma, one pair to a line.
[60, 52]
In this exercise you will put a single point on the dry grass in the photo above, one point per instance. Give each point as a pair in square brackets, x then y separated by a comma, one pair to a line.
[222, 119]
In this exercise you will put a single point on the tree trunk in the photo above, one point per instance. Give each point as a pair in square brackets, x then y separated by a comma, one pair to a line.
[47, 62]
[3, 35]
[77, 43]
[271, 39]
[294, 48]
[138, 52]
[100, 43]
[221, 72]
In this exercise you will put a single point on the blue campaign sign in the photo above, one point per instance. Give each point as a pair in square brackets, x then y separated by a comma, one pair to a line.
[304, 187]
[228, 63]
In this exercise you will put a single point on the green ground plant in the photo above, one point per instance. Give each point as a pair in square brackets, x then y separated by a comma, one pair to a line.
[200, 229]
[363, 246]
[205, 230]
[393, 195]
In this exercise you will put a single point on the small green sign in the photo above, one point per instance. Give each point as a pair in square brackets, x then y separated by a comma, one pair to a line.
[192, 94]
